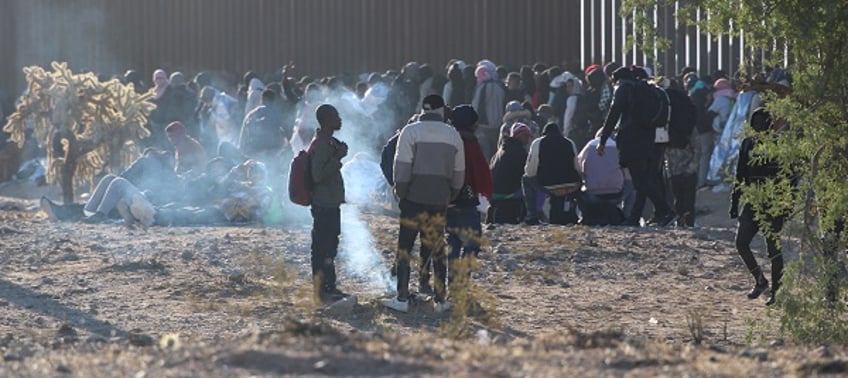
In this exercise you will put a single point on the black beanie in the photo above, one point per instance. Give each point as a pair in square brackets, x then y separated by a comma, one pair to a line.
[622, 73]
[464, 116]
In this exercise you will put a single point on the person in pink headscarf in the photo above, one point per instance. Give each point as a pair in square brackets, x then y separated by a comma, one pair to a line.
[723, 99]
[489, 101]
[160, 83]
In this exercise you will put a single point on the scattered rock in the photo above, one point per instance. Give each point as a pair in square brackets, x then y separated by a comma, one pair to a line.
[139, 339]
[12, 357]
[829, 367]
[709, 288]
[63, 369]
[325, 367]
[239, 278]
[96, 339]
[502, 249]
[776, 343]
[823, 352]
[624, 297]
[3, 303]
[755, 354]
[66, 330]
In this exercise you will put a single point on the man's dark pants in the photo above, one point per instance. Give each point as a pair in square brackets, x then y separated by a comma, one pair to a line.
[748, 228]
[647, 181]
[326, 228]
[429, 222]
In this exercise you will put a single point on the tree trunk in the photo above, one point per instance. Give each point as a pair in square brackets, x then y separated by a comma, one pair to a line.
[68, 169]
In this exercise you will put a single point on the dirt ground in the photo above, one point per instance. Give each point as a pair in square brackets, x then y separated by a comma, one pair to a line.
[546, 301]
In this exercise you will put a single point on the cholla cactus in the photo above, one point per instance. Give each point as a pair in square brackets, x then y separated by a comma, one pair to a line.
[98, 124]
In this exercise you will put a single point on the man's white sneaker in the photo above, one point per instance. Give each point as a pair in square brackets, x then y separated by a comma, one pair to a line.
[396, 304]
[441, 307]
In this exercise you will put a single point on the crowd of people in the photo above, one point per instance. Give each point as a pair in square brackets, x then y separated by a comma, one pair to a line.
[534, 144]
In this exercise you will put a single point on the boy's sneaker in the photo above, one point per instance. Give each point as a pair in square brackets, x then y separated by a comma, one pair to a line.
[396, 304]
[441, 307]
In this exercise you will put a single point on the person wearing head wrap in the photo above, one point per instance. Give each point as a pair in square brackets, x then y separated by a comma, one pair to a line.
[160, 83]
[254, 95]
[488, 100]
[699, 94]
[455, 89]
[513, 113]
[723, 100]
[190, 157]
[598, 97]
[463, 218]
[507, 169]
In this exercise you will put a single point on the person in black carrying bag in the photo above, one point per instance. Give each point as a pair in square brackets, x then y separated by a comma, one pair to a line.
[635, 139]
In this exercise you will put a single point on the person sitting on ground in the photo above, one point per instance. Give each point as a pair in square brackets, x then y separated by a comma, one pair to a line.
[190, 155]
[248, 194]
[507, 169]
[261, 134]
[551, 170]
[603, 184]
[513, 113]
[113, 197]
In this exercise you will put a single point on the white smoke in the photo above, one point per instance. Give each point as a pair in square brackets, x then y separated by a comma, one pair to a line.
[358, 253]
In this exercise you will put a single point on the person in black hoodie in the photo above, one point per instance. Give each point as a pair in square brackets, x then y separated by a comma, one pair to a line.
[548, 171]
[635, 139]
[507, 168]
[751, 169]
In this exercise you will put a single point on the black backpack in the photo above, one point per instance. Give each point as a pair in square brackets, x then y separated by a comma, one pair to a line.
[652, 109]
[683, 118]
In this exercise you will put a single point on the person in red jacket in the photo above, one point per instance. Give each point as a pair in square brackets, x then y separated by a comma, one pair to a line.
[463, 218]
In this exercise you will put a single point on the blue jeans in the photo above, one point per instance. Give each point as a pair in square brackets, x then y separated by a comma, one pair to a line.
[532, 192]
[464, 232]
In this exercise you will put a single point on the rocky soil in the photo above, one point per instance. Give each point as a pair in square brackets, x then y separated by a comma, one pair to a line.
[102, 300]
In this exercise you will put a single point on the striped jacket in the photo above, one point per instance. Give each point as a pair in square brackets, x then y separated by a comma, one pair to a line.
[429, 164]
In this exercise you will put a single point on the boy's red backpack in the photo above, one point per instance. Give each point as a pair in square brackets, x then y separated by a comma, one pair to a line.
[300, 177]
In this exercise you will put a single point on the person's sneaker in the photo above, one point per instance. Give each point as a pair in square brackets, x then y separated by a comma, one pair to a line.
[757, 290]
[396, 304]
[47, 208]
[441, 307]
